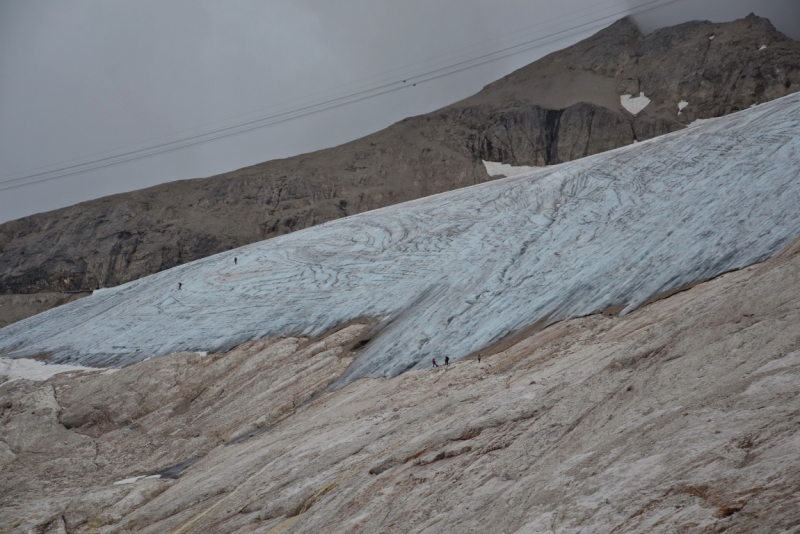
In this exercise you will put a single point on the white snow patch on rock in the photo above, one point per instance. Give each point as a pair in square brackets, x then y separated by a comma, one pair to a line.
[634, 104]
[698, 122]
[494, 168]
[134, 480]
[27, 369]
[682, 105]
[763, 47]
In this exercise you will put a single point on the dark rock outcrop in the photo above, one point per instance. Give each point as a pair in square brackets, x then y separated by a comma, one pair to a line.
[562, 107]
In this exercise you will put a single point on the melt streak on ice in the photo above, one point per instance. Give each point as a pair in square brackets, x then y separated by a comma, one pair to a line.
[455, 272]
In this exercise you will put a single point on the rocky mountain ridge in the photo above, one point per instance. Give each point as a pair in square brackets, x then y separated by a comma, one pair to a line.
[562, 107]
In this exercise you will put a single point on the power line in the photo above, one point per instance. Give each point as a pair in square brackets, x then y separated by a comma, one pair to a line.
[312, 109]
[526, 29]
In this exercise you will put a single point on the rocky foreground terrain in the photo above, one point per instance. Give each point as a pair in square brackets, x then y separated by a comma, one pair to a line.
[683, 416]
[565, 106]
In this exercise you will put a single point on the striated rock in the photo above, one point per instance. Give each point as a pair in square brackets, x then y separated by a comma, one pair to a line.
[681, 416]
[562, 107]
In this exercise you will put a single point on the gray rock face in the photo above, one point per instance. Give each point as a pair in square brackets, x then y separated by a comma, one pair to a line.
[536, 136]
[563, 107]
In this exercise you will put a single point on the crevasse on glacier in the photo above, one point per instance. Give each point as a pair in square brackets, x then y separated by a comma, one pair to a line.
[452, 273]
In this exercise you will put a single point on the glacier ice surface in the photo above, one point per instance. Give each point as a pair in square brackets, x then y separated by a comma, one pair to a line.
[455, 272]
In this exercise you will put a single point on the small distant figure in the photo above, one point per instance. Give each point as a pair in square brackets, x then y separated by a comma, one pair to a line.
[180, 285]
[447, 360]
[479, 358]
[235, 260]
[434, 363]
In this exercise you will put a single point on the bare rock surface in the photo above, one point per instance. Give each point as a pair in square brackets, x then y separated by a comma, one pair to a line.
[563, 107]
[683, 416]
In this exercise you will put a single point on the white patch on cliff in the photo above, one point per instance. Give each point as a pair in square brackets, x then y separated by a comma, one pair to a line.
[634, 104]
[494, 168]
[134, 480]
[698, 122]
[682, 105]
[763, 47]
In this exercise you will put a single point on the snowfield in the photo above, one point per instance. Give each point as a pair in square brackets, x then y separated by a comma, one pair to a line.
[450, 274]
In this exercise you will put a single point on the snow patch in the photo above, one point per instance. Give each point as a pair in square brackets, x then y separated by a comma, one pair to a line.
[494, 168]
[682, 105]
[134, 480]
[35, 370]
[698, 122]
[763, 47]
[711, 38]
[634, 104]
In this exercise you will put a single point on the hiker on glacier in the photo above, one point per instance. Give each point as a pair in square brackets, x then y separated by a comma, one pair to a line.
[434, 363]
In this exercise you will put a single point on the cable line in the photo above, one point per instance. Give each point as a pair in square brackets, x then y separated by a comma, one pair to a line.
[383, 74]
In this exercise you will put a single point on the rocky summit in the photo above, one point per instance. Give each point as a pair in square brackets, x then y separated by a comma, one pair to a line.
[611, 90]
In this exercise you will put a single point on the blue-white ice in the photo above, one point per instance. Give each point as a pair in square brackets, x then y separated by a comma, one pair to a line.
[452, 273]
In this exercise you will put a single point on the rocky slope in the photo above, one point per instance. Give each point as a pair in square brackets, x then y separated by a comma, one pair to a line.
[560, 108]
[683, 416]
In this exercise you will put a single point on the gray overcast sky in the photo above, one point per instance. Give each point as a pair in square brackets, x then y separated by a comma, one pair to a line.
[83, 79]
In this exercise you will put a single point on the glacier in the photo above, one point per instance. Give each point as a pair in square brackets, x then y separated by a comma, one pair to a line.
[450, 274]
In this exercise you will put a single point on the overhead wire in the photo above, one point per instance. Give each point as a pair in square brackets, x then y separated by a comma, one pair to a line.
[327, 105]
[527, 29]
